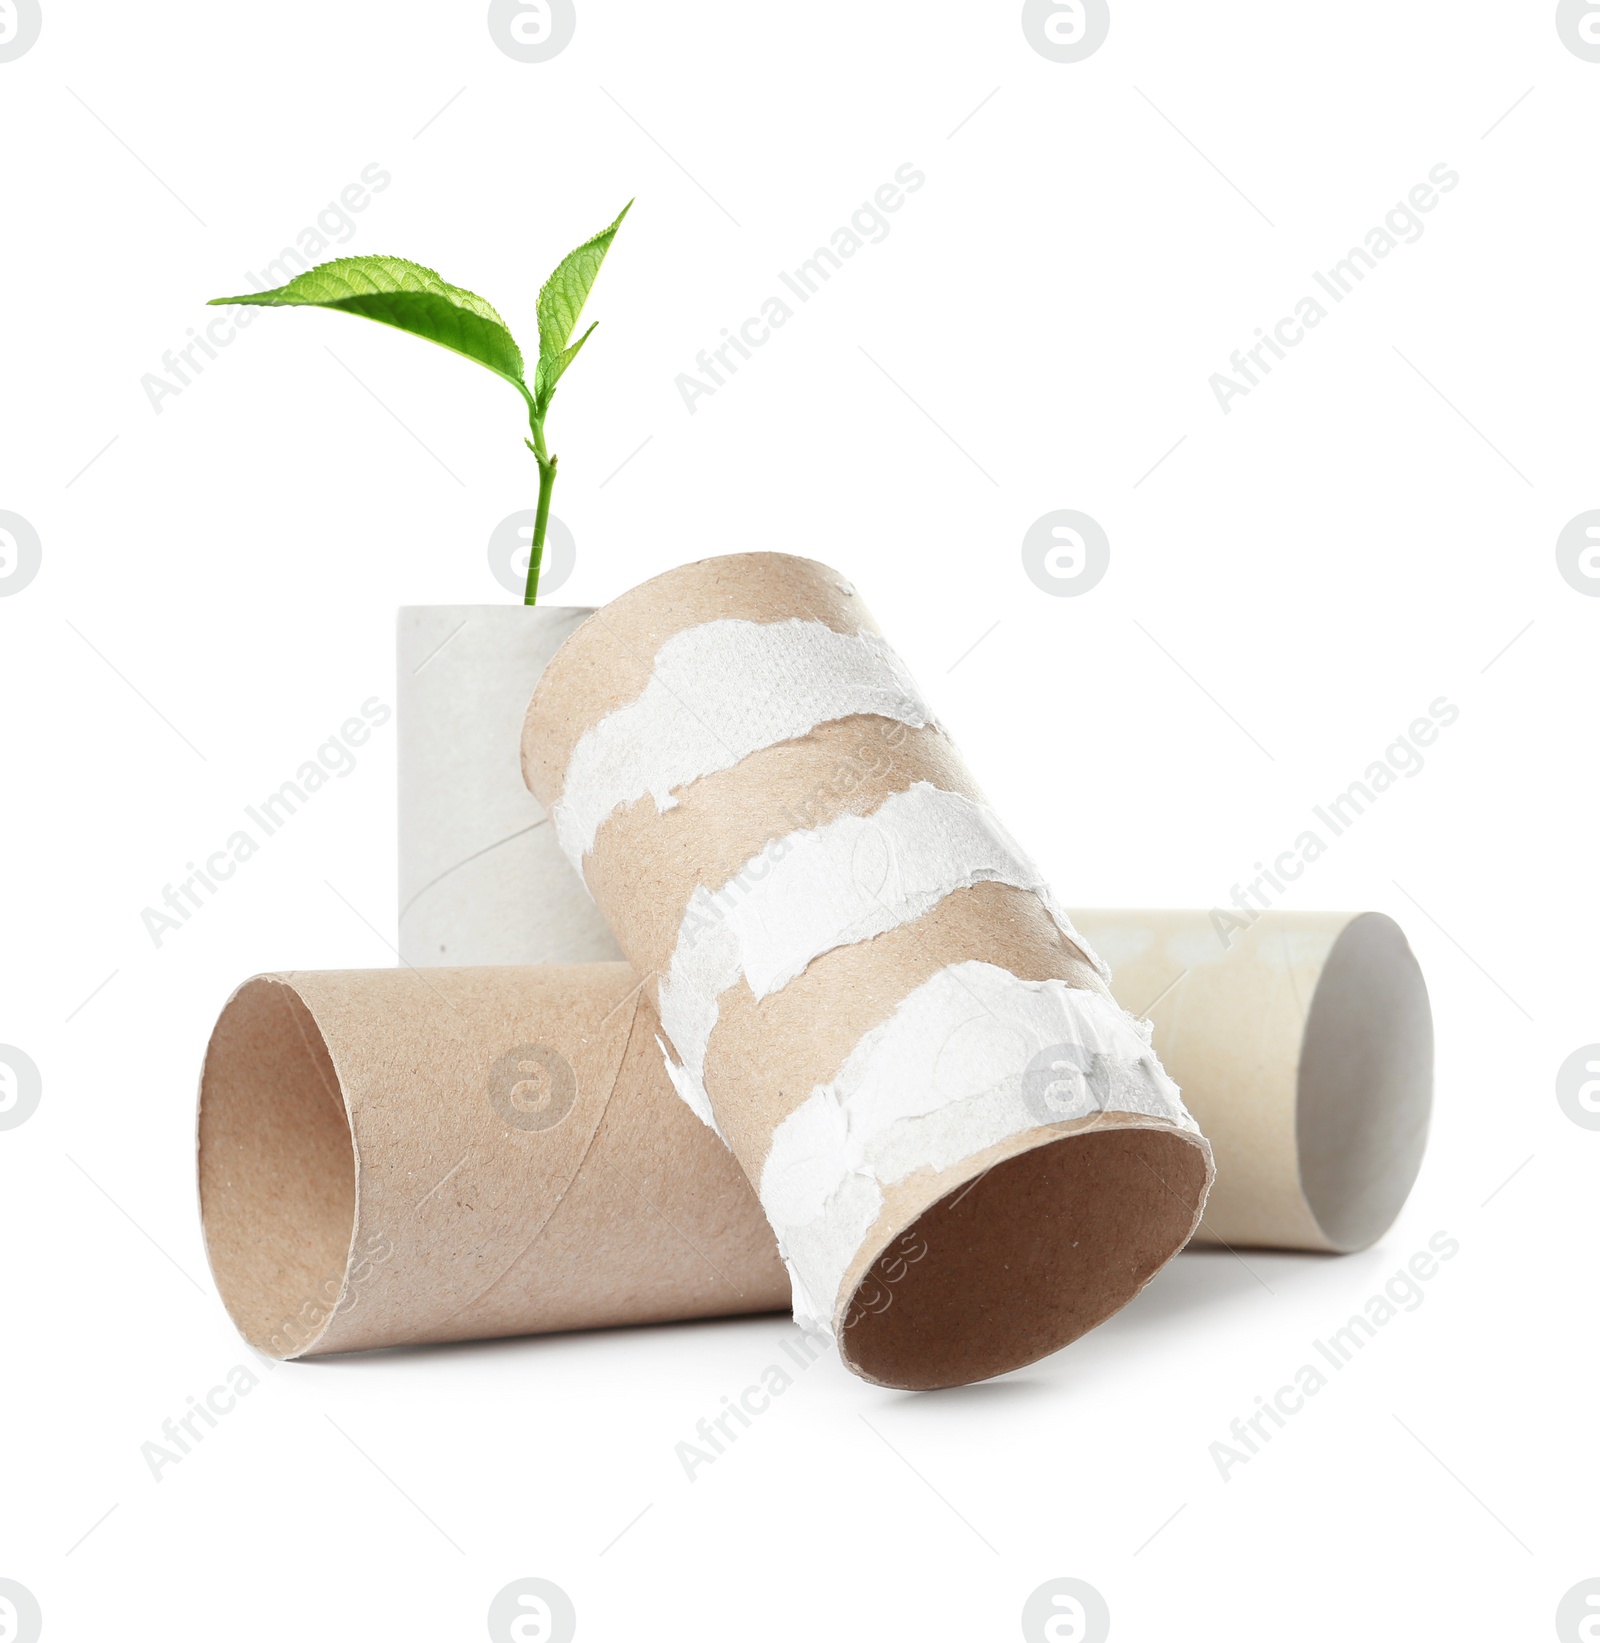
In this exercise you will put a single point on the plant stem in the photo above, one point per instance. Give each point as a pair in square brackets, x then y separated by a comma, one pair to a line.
[541, 520]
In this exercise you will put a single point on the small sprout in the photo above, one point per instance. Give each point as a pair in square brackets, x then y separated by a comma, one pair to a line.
[413, 298]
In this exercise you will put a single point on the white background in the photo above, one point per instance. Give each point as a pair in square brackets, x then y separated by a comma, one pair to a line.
[1366, 531]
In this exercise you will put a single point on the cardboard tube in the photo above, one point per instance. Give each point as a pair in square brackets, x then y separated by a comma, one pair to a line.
[480, 870]
[1303, 1044]
[390, 1157]
[912, 1055]
[1317, 1135]
[1303, 1048]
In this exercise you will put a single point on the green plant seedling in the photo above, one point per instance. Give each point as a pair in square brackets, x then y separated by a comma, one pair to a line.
[412, 298]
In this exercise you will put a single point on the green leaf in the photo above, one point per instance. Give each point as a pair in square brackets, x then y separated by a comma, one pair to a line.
[561, 300]
[411, 298]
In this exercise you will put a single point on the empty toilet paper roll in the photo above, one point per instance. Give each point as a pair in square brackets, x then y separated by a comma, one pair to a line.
[389, 1157]
[869, 990]
[1303, 1043]
[479, 863]
[1303, 1047]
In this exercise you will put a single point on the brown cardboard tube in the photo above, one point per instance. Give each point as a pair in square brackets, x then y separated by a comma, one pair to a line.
[389, 1157]
[1303, 1044]
[1317, 1133]
[949, 1207]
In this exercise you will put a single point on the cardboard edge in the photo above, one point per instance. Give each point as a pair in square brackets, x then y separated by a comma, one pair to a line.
[893, 1224]
[313, 1347]
[1416, 1101]
[643, 593]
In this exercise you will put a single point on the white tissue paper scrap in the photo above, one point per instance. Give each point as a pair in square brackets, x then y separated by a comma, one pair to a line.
[719, 692]
[971, 1058]
[832, 886]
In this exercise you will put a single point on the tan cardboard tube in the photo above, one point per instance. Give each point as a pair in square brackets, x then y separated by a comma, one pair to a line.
[1317, 1134]
[389, 1157]
[1303, 1044]
[898, 1087]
